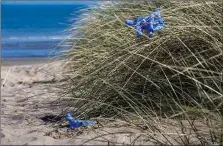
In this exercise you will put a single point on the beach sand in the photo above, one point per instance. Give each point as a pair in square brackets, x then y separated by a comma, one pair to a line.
[29, 101]
[32, 111]
[28, 89]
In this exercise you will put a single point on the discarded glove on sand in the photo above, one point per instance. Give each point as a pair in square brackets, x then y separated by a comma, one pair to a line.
[77, 123]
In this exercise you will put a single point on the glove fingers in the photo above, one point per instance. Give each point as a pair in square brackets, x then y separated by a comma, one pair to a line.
[130, 22]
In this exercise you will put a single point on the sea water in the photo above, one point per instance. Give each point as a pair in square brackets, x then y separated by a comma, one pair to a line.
[33, 30]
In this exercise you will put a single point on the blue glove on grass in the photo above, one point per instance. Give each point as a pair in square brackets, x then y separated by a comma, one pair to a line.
[151, 23]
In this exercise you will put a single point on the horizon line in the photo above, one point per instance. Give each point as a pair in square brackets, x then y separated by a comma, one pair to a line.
[49, 1]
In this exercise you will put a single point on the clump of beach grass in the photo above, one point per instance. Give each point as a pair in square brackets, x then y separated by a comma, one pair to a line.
[174, 77]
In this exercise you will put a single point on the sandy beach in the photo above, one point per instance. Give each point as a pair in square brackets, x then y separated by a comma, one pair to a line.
[145, 73]
[27, 94]
[30, 103]
[33, 112]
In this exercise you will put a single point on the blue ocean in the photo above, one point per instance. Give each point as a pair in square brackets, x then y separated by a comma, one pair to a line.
[33, 30]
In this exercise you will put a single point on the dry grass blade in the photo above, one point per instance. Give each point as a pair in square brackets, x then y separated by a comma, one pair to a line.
[176, 74]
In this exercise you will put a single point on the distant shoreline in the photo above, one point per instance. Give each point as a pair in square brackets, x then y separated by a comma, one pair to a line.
[18, 62]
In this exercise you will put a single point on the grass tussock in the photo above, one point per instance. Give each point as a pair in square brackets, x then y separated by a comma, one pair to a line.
[176, 74]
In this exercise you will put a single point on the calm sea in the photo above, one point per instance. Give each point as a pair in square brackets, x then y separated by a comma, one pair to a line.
[31, 30]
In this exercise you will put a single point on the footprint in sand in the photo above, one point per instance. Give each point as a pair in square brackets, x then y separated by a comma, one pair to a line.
[2, 135]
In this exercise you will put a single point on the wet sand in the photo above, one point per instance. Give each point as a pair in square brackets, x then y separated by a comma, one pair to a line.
[15, 62]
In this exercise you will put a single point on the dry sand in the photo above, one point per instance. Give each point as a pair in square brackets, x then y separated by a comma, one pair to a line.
[27, 93]
[29, 101]
[31, 111]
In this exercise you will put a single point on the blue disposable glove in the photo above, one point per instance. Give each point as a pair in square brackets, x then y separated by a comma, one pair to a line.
[151, 23]
[77, 123]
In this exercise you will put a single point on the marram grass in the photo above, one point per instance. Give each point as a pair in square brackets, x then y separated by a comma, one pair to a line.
[176, 74]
